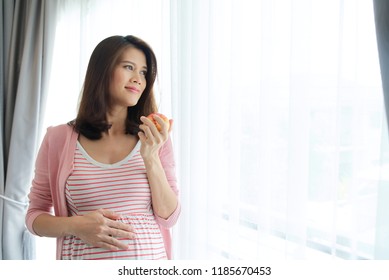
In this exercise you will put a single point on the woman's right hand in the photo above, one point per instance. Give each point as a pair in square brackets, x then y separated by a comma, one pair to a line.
[100, 228]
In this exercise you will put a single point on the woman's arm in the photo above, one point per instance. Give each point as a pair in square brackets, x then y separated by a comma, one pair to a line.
[98, 228]
[164, 198]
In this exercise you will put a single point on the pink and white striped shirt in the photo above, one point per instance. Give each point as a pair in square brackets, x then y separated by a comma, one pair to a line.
[121, 187]
[54, 165]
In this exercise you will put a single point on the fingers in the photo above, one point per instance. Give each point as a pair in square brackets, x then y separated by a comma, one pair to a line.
[150, 129]
[112, 243]
[165, 127]
[109, 214]
[116, 230]
[120, 229]
[149, 132]
[113, 230]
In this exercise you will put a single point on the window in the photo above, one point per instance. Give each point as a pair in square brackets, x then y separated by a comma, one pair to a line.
[280, 132]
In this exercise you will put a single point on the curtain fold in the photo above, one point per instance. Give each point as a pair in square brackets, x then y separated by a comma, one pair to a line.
[278, 129]
[27, 45]
[381, 12]
[1, 122]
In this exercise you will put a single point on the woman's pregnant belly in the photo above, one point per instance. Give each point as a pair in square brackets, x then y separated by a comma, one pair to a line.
[147, 245]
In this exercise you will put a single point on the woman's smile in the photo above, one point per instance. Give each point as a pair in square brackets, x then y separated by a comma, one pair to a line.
[133, 89]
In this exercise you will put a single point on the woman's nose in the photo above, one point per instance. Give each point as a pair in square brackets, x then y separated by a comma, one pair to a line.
[136, 79]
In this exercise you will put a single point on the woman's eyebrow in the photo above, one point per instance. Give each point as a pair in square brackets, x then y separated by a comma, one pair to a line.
[133, 63]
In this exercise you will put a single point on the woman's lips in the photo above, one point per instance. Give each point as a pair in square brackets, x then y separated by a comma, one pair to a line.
[133, 89]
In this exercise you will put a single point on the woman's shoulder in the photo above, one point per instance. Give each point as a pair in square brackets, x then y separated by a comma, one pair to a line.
[60, 132]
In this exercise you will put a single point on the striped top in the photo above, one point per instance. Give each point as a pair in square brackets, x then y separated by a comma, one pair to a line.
[121, 187]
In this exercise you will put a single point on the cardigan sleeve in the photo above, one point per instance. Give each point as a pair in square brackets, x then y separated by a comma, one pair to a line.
[166, 155]
[40, 200]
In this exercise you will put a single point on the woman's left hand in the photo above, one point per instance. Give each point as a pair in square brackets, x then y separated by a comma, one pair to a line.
[151, 138]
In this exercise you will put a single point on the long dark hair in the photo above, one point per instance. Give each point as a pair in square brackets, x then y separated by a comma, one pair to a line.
[91, 119]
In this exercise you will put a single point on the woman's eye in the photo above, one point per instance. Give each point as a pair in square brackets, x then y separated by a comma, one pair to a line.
[143, 73]
[129, 67]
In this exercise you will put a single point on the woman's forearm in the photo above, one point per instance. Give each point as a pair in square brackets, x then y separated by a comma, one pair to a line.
[52, 226]
[163, 198]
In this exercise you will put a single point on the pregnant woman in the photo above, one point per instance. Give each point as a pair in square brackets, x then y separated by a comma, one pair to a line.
[109, 175]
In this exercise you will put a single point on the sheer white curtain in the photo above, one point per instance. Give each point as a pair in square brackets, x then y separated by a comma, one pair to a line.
[280, 128]
[280, 137]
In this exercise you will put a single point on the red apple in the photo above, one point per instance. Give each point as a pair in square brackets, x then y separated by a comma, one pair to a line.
[162, 116]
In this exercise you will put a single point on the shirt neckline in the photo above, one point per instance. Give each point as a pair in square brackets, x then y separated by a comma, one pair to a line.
[108, 165]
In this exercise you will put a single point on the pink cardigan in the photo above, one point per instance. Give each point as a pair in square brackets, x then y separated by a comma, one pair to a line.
[54, 164]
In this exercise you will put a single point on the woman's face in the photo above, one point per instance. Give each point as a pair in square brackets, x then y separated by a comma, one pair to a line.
[129, 79]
